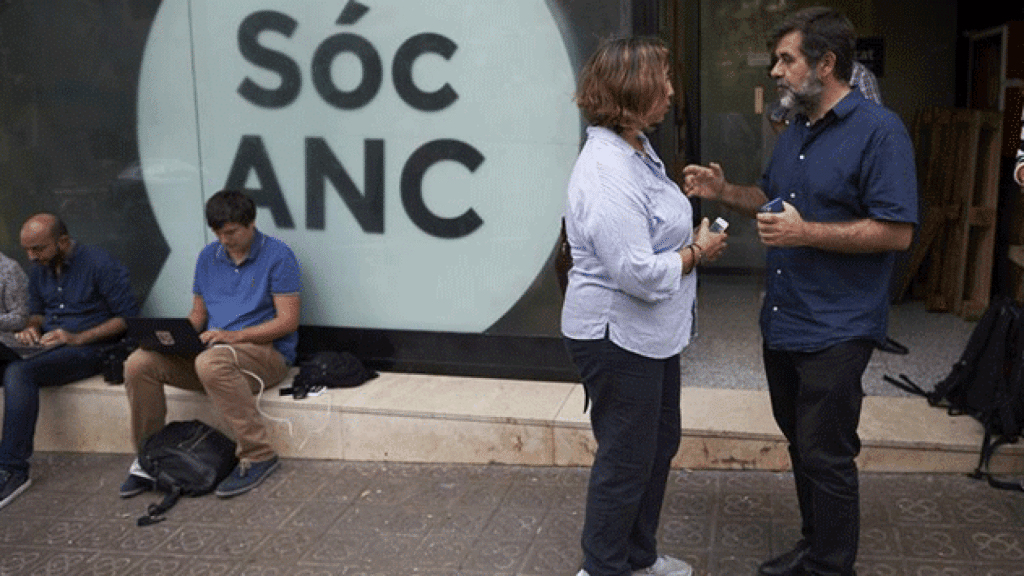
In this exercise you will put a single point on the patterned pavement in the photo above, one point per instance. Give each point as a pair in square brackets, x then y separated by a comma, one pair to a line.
[358, 518]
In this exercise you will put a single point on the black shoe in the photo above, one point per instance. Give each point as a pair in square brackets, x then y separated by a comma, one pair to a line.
[788, 564]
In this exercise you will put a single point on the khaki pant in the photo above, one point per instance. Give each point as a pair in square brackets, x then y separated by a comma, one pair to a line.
[217, 372]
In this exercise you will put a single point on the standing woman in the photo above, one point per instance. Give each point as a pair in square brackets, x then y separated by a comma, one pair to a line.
[629, 306]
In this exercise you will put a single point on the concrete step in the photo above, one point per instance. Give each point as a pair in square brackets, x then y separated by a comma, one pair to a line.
[423, 418]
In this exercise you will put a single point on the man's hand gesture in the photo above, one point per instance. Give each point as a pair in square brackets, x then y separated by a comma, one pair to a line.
[704, 181]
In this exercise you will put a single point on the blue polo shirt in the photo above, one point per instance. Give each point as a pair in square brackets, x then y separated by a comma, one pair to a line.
[857, 162]
[239, 296]
[92, 288]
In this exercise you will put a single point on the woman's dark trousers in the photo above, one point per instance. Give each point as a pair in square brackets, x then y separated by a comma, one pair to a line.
[635, 418]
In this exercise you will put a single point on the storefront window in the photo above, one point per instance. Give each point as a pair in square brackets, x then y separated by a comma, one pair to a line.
[413, 154]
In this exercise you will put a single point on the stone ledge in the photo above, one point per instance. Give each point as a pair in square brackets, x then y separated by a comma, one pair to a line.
[422, 418]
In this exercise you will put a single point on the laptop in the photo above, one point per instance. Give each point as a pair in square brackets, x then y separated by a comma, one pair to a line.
[11, 349]
[173, 336]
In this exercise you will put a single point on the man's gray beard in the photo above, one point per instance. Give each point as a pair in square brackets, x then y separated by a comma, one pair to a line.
[805, 100]
[788, 99]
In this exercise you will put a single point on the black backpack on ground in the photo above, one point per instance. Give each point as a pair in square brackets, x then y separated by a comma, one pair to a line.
[987, 383]
[185, 459]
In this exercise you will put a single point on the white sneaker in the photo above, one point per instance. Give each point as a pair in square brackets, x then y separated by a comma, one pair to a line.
[666, 566]
[136, 469]
[582, 572]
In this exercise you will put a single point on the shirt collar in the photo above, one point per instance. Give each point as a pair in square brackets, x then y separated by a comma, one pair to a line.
[842, 109]
[254, 250]
[848, 104]
[72, 251]
[65, 261]
[610, 136]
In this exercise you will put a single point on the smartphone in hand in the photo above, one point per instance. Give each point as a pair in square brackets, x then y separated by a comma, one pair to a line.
[719, 225]
[772, 206]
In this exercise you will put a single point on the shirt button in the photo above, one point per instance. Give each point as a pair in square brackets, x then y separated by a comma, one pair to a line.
[779, 271]
[802, 156]
[775, 308]
[792, 195]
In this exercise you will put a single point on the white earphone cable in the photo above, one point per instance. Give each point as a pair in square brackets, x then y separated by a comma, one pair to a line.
[259, 400]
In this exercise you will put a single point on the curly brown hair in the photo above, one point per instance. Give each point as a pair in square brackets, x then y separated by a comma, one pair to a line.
[622, 82]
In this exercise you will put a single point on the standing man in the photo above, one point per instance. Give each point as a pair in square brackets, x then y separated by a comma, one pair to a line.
[79, 297]
[245, 306]
[845, 170]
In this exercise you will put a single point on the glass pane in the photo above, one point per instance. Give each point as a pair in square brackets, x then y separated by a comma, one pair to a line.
[735, 90]
[414, 156]
[67, 127]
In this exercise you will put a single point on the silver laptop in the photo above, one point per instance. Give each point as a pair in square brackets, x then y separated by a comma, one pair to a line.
[11, 349]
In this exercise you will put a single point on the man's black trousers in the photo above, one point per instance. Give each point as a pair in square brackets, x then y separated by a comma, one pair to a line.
[816, 400]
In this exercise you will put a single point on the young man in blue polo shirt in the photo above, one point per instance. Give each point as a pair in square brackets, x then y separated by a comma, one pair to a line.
[78, 298]
[845, 171]
[245, 305]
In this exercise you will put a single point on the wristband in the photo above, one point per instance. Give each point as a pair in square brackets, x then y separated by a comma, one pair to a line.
[694, 258]
[699, 252]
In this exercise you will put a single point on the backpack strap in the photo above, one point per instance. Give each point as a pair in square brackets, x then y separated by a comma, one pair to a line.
[155, 512]
[1017, 485]
[563, 259]
[893, 347]
[906, 384]
[988, 448]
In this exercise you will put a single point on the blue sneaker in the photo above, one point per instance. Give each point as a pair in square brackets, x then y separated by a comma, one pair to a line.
[12, 483]
[246, 476]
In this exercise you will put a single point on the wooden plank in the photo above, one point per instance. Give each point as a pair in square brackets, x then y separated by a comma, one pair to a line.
[931, 224]
[958, 153]
[979, 221]
[951, 178]
[966, 159]
[932, 133]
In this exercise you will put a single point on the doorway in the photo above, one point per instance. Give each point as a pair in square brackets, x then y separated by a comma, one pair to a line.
[723, 90]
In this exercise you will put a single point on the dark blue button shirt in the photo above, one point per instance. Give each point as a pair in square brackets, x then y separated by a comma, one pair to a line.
[857, 162]
[93, 287]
